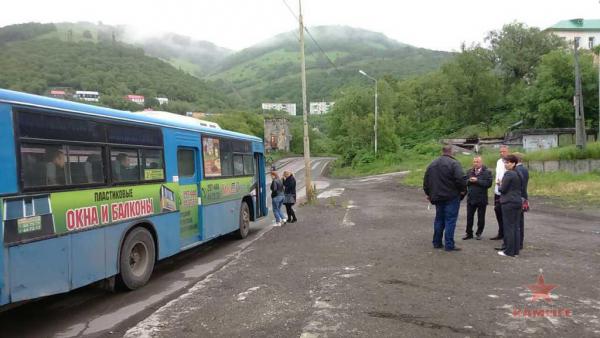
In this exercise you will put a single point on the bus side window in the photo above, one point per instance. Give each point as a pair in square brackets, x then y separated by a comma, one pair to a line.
[125, 165]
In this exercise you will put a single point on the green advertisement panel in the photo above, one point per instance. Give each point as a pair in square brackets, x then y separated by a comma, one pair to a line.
[75, 210]
[226, 189]
[188, 208]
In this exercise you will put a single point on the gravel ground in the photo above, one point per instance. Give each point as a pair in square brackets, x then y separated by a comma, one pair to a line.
[360, 263]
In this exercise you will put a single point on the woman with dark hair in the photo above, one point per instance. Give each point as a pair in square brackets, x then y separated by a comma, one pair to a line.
[510, 201]
[277, 198]
[289, 183]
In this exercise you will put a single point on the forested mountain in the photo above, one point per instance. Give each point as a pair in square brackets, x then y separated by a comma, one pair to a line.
[271, 70]
[117, 61]
[38, 63]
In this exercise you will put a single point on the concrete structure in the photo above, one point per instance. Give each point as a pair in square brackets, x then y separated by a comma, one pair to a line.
[588, 31]
[162, 100]
[536, 139]
[320, 108]
[290, 108]
[139, 99]
[277, 134]
[572, 166]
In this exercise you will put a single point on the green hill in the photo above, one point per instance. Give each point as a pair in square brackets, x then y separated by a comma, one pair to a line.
[271, 70]
[34, 58]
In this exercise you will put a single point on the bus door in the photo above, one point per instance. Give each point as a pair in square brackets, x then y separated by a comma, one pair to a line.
[188, 163]
[259, 189]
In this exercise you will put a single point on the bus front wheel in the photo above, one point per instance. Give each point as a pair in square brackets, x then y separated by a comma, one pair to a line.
[244, 221]
[136, 260]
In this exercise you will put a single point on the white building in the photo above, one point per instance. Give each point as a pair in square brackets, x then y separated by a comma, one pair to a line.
[162, 100]
[290, 108]
[588, 31]
[320, 108]
[86, 95]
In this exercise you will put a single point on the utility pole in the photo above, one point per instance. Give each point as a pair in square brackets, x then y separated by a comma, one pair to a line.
[307, 168]
[580, 137]
[376, 113]
[598, 60]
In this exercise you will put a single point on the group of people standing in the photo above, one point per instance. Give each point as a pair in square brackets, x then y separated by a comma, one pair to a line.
[283, 191]
[446, 185]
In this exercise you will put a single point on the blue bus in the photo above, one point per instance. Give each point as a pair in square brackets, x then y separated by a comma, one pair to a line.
[90, 193]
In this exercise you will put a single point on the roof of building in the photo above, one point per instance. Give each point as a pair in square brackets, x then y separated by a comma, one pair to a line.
[576, 25]
[150, 118]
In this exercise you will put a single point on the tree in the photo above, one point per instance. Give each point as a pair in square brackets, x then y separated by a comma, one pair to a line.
[551, 96]
[473, 89]
[518, 49]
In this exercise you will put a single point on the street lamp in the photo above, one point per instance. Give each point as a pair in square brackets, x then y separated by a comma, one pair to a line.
[376, 115]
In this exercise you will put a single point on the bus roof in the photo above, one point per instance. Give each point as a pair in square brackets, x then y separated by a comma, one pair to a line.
[162, 120]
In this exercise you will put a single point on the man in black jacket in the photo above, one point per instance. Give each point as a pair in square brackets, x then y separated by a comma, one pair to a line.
[479, 180]
[444, 184]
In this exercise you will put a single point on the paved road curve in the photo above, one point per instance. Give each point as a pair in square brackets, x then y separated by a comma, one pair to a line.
[361, 263]
[94, 312]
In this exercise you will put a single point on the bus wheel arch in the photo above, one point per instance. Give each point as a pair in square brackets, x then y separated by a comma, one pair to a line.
[250, 203]
[138, 254]
[244, 220]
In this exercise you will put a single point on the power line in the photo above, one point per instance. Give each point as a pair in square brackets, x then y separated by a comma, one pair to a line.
[312, 38]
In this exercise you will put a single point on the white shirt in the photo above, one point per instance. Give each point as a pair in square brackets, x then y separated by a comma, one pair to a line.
[500, 170]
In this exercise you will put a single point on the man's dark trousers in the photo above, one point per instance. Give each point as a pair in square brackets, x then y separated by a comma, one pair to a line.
[471, 208]
[498, 211]
[446, 213]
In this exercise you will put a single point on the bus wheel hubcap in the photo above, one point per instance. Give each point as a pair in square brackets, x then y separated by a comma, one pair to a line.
[138, 258]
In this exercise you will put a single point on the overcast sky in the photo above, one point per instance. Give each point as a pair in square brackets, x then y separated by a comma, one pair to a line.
[236, 24]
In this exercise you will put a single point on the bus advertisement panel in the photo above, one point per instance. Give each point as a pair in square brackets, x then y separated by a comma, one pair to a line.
[63, 212]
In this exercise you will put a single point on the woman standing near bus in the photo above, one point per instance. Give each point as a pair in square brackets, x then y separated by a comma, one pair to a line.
[289, 182]
[510, 200]
[277, 196]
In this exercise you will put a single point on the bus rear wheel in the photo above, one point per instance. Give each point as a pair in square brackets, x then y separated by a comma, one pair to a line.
[244, 229]
[136, 260]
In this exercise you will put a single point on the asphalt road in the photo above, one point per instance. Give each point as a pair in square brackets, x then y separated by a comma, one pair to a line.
[94, 312]
[360, 263]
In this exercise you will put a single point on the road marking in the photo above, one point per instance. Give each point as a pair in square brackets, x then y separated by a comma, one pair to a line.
[284, 262]
[335, 192]
[346, 222]
[242, 296]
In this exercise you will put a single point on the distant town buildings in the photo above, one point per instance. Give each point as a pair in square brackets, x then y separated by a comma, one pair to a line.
[290, 108]
[162, 100]
[587, 31]
[139, 99]
[58, 94]
[86, 95]
[320, 108]
[277, 134]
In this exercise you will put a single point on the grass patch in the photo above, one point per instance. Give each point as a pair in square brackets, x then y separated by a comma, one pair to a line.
[580, 189]
[592, 150]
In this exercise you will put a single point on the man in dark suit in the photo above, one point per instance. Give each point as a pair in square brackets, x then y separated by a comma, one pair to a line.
[524, 175]
[479, 180]
[444, 184]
